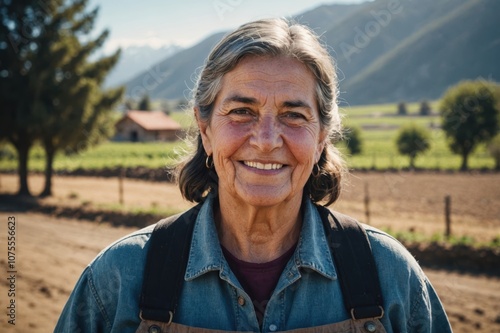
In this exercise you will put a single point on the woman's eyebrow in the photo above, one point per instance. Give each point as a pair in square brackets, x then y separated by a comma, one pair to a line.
[295, 104]
[292, 104]
[240, 99]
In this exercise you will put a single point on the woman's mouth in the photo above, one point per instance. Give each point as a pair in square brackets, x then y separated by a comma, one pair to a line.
[263, 166]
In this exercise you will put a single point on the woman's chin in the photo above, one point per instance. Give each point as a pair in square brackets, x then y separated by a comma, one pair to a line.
[263, 196]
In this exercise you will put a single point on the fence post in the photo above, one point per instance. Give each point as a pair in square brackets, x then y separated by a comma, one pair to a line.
[447, 213]
[367, 204]
[120, 185]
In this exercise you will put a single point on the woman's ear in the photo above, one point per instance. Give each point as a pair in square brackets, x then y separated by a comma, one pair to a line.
[206, 134]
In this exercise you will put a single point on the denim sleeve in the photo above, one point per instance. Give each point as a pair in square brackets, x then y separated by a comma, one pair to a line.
[84, 312]
[427, 312]
[106, 297]
[410, 302]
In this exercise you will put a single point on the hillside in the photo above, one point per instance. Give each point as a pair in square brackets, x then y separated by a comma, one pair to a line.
[463, 44]
[326, 17]
[133, 61]
[386, 51]
[173, 77]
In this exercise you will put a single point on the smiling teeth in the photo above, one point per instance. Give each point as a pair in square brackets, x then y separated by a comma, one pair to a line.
[262, 166]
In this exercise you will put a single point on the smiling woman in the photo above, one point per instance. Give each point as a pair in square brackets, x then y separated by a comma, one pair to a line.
[264, 134]
[259, 253]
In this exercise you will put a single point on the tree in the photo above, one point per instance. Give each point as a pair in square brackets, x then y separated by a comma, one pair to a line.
[425, 108]
[63, 106]
[145, 103]
[402, 110]
[412, 140]
[77, 112]
[21, 23]
[353, 141]
[494, 149]
[469, 115]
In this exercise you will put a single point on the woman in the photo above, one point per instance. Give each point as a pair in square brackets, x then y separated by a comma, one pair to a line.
[258, 258]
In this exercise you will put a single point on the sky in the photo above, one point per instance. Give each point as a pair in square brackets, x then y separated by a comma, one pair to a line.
[163, 22]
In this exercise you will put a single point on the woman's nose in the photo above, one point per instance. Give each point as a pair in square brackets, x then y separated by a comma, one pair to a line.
[267, 134]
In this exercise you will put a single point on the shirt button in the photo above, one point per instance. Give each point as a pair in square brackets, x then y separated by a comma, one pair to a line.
[241, 300]
[273, 328]
[370, 326]
[154, 329]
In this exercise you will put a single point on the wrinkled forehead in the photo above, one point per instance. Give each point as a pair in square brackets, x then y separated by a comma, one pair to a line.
[271, 73]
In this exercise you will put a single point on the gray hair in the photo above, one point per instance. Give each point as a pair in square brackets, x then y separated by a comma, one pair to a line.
[269, 37]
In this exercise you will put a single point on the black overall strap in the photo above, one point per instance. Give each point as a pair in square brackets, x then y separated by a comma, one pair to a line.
[357, 272]
[166, 265]
[169, 251]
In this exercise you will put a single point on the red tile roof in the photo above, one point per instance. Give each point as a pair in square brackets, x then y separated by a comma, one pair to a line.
[152, 120]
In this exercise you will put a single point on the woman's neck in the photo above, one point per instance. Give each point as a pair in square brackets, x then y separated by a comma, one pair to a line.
[258, 234]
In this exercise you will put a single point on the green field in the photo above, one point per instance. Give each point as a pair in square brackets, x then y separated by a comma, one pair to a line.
[379, 125]
[109, 154]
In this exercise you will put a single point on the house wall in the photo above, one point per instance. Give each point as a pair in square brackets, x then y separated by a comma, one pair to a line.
[127, 130]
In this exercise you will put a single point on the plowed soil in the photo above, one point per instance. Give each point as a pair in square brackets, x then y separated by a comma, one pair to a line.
[52, 252]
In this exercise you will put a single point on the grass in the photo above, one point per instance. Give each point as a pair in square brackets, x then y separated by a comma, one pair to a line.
[412, 237]
[107, 155]
[379, 125]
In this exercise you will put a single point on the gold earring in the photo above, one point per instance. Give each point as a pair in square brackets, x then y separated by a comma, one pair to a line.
[316, 171]
[209, 163]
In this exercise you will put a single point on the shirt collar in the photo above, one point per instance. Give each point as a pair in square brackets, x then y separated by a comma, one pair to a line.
[313, 250]
[206, 255]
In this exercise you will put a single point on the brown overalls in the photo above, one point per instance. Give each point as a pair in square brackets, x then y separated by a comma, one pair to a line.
[348, 326]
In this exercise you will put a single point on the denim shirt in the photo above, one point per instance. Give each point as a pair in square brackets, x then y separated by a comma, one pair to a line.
[308, 294]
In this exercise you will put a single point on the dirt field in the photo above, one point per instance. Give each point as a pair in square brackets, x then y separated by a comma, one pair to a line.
[51, 253]
[401, 201]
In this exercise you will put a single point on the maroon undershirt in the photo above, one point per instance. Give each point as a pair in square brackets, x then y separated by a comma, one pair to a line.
[258, 280]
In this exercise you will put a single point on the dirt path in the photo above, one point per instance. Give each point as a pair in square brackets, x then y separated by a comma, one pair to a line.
[400, 201]
[53, 252]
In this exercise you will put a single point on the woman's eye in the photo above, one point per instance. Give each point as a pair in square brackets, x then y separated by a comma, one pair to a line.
[241, 115]
[294, 116]
[240, 112]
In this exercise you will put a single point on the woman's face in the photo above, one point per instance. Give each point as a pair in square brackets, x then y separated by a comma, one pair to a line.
[264, 132]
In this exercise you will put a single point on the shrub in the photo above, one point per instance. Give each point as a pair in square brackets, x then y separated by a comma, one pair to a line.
[412, 140]
[425, 108]
[402, 110]
[353, 141]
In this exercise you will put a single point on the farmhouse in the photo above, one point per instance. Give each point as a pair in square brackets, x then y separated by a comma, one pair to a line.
[141, 126]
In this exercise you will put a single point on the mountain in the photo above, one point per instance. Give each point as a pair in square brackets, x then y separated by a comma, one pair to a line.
[450, 41]
[134, 60]
[385, 50]
[325, 17]
[173, 77]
